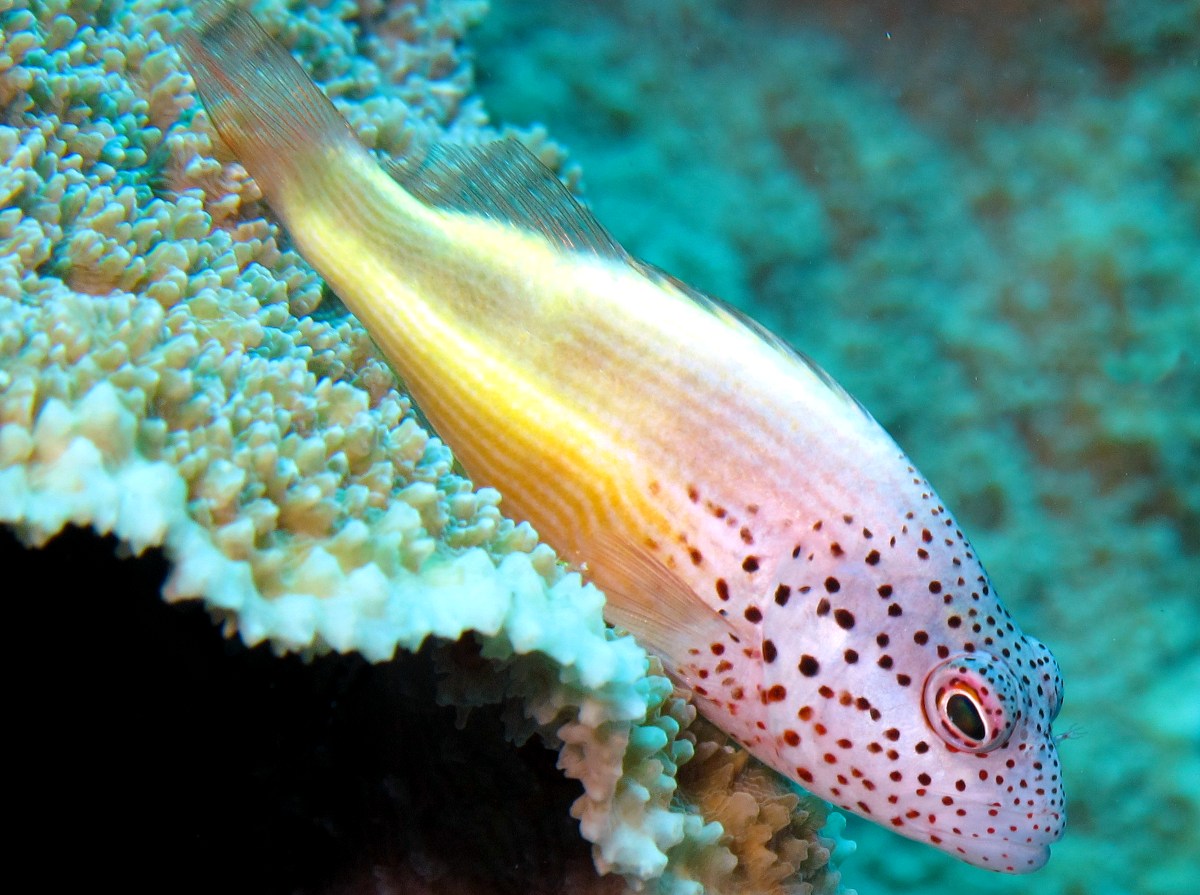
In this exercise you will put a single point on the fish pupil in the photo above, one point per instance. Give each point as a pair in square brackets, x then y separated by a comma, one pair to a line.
[963, 714]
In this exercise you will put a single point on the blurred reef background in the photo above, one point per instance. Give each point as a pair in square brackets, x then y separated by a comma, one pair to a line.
[983, 219]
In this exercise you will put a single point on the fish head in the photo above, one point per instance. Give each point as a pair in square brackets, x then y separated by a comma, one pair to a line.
[912, 697]
[994, 771]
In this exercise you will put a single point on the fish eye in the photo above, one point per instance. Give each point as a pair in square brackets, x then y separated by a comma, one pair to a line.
[962, 711]
[970, 701]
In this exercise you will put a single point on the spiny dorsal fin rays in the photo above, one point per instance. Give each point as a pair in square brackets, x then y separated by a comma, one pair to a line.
[503, 181]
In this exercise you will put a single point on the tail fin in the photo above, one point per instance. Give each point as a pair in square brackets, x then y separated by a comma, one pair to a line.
[264, 105]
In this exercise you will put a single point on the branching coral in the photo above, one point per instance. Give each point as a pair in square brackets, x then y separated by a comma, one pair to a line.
[764, 821]
[172, 373]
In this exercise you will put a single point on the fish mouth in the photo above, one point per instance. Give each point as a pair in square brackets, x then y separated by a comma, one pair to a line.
[1010, 857]
[1004, 844]
[994, 852]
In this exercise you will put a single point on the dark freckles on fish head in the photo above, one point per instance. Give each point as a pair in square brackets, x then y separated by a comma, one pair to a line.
[882, 585]
[911, 687]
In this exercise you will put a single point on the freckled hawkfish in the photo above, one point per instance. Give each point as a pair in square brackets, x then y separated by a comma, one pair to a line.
[747, 519]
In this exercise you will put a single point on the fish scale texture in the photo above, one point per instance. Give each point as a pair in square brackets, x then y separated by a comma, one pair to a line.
[173, 374]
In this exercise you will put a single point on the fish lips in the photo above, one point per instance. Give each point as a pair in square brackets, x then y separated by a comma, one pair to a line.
[994, 851]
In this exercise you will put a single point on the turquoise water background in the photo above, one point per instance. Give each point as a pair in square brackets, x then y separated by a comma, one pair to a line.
[984, 219]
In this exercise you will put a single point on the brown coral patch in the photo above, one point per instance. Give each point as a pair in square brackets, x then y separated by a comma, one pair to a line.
[770, 830]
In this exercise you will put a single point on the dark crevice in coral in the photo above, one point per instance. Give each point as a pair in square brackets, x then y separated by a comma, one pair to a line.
[150, 751]
[331, 308]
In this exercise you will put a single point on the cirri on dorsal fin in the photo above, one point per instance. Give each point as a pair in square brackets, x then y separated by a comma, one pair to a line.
[504, 181]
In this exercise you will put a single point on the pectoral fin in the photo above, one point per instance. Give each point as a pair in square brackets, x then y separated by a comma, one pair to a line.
[645, 597]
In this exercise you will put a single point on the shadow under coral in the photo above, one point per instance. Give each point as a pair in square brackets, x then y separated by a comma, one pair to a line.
[148, 749]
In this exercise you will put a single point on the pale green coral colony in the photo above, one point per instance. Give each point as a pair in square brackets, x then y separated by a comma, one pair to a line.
[169, 374]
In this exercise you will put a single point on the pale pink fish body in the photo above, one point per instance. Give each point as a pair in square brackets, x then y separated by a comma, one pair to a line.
[867, 655]
[748, 521]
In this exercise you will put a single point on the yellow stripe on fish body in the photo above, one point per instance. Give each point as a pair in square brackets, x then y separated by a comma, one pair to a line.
[747, 519]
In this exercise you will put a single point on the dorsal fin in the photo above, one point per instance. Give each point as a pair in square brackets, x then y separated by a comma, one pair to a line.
[504, 181]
